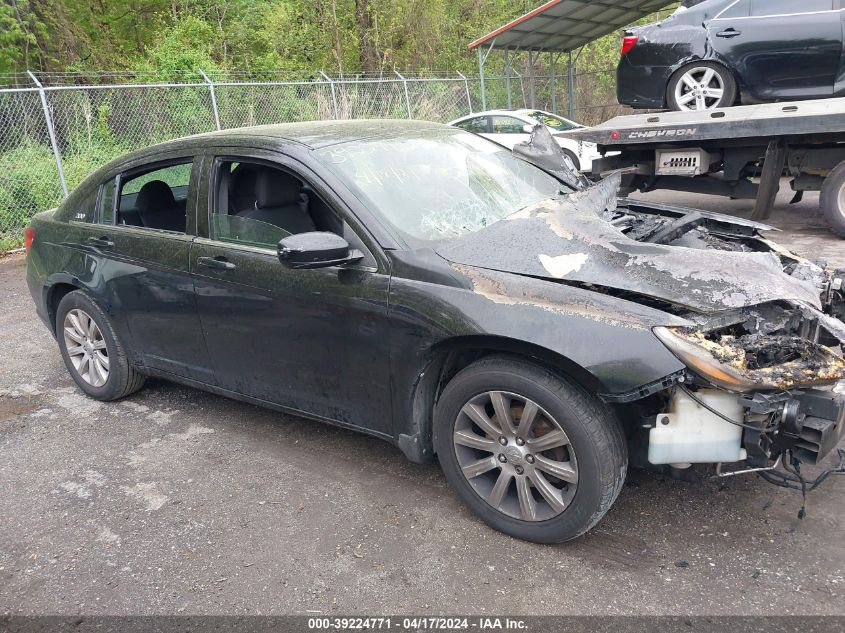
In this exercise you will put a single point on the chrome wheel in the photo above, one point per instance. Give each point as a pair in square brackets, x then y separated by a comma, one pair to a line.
[699, 89]
[86, 347]
[515, 456]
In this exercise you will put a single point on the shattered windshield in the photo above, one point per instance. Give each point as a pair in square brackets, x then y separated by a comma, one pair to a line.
[438, 185]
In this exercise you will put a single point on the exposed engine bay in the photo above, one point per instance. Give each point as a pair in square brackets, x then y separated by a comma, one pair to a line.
[765, 379]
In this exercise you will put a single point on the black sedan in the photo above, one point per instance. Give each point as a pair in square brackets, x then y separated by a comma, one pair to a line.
[721, 52]
[428, 287]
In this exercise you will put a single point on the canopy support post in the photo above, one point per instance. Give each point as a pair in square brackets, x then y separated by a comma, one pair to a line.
[482, 59]
[532, 80]
[508, 78]
[553, 82]
[570, 88]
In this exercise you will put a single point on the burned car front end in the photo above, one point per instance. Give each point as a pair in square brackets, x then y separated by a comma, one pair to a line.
[757, 330]
[764, 381]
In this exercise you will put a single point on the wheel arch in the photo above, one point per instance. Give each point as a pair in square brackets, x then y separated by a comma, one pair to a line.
[60, 285]
[448, 357]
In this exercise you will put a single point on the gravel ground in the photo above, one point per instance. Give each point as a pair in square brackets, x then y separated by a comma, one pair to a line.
[176, 501]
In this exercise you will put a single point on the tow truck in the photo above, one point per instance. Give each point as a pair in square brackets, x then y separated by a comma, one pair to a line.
[738, 152]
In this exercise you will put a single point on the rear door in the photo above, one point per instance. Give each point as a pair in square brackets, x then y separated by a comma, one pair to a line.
[314, 341]
[146, 267]
[780, 49]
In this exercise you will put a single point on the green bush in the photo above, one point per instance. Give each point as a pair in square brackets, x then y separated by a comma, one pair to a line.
[28, 184]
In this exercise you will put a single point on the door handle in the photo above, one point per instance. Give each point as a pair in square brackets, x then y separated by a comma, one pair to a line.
[100, 242]
[217, 263]
[728, 33]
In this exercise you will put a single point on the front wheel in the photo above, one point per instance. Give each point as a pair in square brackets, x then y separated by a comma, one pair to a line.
[534, 455]
[701, 86]
[832, 200]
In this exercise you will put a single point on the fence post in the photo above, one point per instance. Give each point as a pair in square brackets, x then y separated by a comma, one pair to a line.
[407, 99]
[213, 97]
[50, 131]
[334, 96]
[466, 86]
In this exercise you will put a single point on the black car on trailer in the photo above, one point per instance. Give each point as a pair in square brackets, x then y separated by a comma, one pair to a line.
[721, 52]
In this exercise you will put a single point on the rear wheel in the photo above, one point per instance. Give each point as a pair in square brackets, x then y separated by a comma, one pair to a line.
[832, 200]
[91, 350]
[701, 86]
[532, 454]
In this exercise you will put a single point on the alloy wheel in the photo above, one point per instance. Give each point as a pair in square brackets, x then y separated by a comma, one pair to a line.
[699, 89]
[515, 456]
[86, 347]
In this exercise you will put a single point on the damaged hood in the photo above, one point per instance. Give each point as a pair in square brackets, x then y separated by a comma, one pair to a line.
[566, 240]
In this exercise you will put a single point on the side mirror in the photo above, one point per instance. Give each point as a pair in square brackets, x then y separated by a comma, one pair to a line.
[528, 128]
[318, 249]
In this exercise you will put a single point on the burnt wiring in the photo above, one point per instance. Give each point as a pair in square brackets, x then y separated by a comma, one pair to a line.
[793, 479]
[717, 412]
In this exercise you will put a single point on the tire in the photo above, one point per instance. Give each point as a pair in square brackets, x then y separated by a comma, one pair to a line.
[572, 157]
[595, 450]
[832, 200]
[102, 350]
[698, 72]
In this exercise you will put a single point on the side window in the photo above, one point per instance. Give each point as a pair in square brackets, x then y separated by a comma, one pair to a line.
[156, 198]
[787, 7]
[107, 200]
[85, 210]
[507, 125]
[478, 125]
[256, 204]
[736, 10]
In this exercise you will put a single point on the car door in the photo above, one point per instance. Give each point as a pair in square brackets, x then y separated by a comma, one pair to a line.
[780, 49]
[146, 268]
[507, 130]
[313, 341]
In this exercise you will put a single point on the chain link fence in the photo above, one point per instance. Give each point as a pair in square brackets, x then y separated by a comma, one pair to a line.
[53, 136]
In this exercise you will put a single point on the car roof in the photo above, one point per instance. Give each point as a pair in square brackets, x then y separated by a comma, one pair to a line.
[515, 113]
[520, 113]
[310, 134]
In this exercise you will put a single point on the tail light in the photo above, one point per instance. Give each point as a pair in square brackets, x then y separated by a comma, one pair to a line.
[628, 42]
[28, 238]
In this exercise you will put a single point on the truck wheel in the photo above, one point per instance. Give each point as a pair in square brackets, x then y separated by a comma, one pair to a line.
[701, 86]
[832, 200]
[532, 454]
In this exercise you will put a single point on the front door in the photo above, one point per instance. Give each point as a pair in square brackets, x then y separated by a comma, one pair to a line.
[781, 49]
[313, 341]
[143, 240]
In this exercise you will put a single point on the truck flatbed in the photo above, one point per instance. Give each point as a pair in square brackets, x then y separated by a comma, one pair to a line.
[740, 152]
[799, 118]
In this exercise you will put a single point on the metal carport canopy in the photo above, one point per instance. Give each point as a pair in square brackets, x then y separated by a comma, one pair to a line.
[560, 26]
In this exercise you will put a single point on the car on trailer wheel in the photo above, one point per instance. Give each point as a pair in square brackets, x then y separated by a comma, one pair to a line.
[490, 309]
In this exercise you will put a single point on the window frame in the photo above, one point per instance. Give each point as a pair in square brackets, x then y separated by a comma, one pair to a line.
[135, 169]
[373, 256]
[484, 117]
[836, 6]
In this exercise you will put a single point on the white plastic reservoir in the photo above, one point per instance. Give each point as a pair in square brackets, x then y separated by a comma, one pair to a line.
[693, 434]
